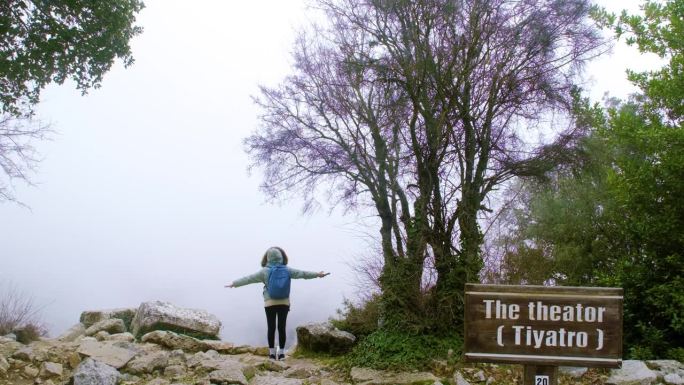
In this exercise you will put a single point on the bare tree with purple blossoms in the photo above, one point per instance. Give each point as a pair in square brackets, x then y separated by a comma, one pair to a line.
[415, 108]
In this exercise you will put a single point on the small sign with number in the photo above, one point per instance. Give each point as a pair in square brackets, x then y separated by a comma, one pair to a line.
[541, 380]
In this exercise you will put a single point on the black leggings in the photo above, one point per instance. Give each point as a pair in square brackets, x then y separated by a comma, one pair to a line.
[271, 313]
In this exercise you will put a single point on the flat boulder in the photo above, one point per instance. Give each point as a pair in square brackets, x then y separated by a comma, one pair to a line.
[8, 347]
[367, 376]
[73, 333]
[228, 376]
[668, 371]
[324, 337]
[91, 317]
[222, 347]
[4, 366]
[51, 369]
[633, 372]
[126, 337]
[158, 315]
[174, 341]
[673, 379]
[26, 353]
[573, 371]
[110, 352]
[274, 380]
[91, 372]
[111, 326]
[148, 363]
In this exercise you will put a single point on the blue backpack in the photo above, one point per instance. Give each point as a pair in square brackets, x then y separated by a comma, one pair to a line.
[278, 285]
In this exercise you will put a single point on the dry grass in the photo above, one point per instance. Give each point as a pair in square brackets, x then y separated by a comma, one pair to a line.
[19, 314]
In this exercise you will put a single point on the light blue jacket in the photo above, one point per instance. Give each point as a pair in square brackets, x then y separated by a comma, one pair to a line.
[263, 274]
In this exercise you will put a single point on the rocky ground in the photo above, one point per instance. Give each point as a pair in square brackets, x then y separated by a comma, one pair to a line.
[155, 344]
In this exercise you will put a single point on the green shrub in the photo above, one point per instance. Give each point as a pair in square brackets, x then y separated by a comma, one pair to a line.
[359, 320]
[390, 350]
[676, 354]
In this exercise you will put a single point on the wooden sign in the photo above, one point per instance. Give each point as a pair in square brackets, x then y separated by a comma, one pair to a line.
[540, 325]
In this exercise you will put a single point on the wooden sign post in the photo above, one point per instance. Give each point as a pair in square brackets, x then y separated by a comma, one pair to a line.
[543, 327]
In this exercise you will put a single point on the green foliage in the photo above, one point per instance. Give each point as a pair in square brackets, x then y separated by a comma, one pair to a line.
[676, 354]
[390, 347]
[659, 30]
[49, 41]
[617, 218]
[359, 320]
[391, 350]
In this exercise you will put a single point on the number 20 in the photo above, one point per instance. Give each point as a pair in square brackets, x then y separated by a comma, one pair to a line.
[541, 380]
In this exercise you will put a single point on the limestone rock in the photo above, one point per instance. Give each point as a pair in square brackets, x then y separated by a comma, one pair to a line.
[273, 366]
[324, 337]
[91, 317]
[173, 340]
[8, 337]
[222, 347]
[128, 379]
[73, 333]
[111, 326]
[302, 371]
[91, 372]
[50, 370]
[73, 359]
[633, 372]
[196, 359]
[25, 354]
[31, 372]
[101, 335]
[459, 379]
[480, 376]
[175, 371]
[4, 366]
[158, 381]
[273, 380]
[107, 352]
[218, 363]
[127, 337]
[664, 367]
[367, 376]
[159, 315]
[228, 376]
[673, 379]
[572, 371]
[227, 348]
[9, 347]
[148, 363]
[326, 381]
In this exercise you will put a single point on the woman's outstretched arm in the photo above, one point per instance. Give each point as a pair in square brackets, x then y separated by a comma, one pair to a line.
[301, 274]
[252, 278]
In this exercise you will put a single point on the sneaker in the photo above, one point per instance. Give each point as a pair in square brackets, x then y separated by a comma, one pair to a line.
[272, 356]
[281, 356]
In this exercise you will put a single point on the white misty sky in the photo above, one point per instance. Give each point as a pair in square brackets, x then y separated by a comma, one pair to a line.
[143, 193]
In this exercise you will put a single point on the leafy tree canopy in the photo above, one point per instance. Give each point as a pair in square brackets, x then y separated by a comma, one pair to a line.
[44, 41]
[616, 217]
